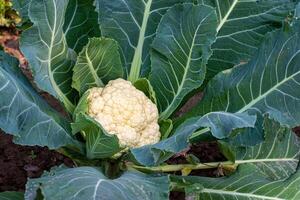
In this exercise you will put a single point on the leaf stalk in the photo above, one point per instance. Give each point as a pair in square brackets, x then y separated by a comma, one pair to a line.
[174, 168]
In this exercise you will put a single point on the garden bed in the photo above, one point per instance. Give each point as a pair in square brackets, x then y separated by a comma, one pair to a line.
[158, 100]
[18, 163]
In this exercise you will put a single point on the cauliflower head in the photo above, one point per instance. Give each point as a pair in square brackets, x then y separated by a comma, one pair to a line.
[126, 112]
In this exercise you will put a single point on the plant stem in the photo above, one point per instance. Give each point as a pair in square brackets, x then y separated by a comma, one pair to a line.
[111, 168]
[174, 168]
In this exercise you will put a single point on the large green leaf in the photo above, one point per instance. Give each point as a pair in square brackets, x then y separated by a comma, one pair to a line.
[45, 47]
[248, 136]
[297, 11]
[269, 84]
[181, 49]
[274, 160]
[133, 24]
[222, 124]
[97, 63]
[81, 22]
[87, 183]
[242, 27]
[277, 157]
[26, 115]
[11, 196]
[247, 184]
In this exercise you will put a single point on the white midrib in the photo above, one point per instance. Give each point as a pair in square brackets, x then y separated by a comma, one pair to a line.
[93, 147]
[69, 105]
[136, 64]
[167, 112]
[98, 81]
[259, 98]
[222, 22]
[96, 188]
[236, 194]
[250, 104]
[266, 160]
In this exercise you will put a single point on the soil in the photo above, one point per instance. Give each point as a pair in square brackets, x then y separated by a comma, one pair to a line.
[17, 163]
[205, 152]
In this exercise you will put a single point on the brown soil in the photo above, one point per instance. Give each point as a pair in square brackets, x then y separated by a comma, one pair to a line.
[17, 163]
[205, 152]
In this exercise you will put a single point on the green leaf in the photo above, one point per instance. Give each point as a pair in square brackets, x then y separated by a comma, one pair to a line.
[222, 124]
[145, 86]
[165, 128]
[269, 84]
[45, 47]
[246, 184]
[181, 50]
[297, 11]
[191, 191]
[86, 183]
[242, 27]
[247, 136]
[276, 159]
[24, 114]
[133, 24]
[98, 62]
[155, 154]
[82, 107]
[11, 196]
[81, 22]
[99, 143]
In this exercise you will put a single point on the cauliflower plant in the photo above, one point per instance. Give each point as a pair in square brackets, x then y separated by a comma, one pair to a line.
[126, 112]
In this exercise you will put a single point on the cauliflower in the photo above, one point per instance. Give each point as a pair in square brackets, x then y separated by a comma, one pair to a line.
[126, 112]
